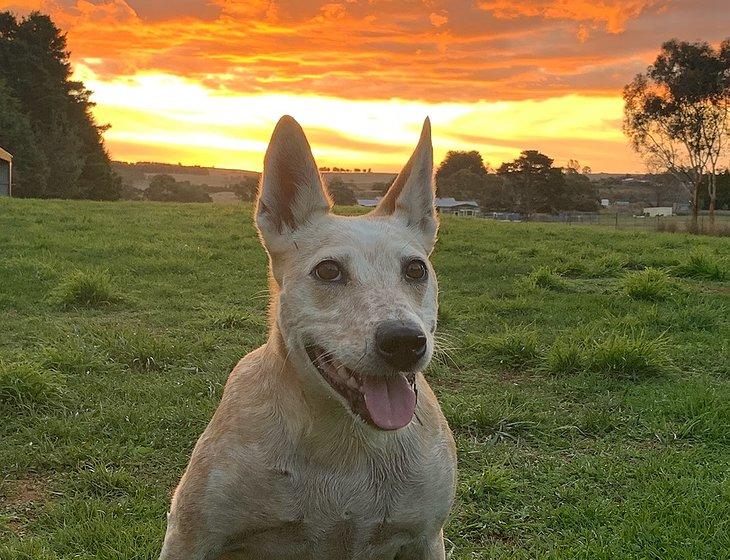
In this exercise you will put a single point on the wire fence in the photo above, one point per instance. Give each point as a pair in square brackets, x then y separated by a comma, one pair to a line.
[624, 221]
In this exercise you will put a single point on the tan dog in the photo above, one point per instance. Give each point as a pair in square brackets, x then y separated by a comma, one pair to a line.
[328, 443]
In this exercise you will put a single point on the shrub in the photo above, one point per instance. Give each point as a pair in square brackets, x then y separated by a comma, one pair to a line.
[650, 284]
[546, 279]
[628, 357]
[702, 264]
[25, 385]
[85, 289]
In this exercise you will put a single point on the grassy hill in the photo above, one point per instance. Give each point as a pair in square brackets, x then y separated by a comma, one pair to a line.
[584, 371]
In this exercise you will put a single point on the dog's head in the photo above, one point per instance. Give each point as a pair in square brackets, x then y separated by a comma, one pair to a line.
[356, 297]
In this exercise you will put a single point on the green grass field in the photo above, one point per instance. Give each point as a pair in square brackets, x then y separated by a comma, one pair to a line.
[585, 373]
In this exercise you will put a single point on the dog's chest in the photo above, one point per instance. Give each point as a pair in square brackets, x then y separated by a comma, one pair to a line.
[363, 515]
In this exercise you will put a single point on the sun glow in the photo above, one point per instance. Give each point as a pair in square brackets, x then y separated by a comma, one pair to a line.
[170, 118]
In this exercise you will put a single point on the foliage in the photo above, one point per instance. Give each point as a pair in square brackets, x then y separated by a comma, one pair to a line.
[533, 183]
[58, 148]
[341, 192]
[607, 434]
[676, 113]
[164, 188]
[246, 190]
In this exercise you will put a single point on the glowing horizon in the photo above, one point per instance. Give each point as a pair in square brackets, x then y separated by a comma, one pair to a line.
[202, 82]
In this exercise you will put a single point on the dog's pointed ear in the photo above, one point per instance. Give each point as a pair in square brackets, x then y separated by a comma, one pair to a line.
[291, 191]
[411, 196]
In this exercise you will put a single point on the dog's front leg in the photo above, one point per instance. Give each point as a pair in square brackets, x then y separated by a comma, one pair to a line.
[429, 549]
[188, 541]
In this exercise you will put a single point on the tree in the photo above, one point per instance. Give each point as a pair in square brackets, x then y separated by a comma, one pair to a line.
[164, 188]
[533, 183]
[35, 64]
[30, 168]
[246, 189]
[460, 160]
[676, 114]
[341, 192]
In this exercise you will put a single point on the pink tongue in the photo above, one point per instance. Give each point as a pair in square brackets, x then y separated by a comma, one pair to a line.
[390, 400]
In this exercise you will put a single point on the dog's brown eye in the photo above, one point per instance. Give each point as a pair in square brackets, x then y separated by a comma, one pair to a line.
[328, 271]
[416, 270]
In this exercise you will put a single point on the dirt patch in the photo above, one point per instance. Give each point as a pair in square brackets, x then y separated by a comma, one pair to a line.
[20, 502]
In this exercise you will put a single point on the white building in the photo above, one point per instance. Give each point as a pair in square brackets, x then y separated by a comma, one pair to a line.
[654, 211]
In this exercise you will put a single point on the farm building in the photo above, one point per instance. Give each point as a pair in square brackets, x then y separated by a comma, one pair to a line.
[6, 173]
[443, 205]
[658, 211]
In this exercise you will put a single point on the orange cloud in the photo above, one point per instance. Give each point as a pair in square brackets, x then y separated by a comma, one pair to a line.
[614, 14]
[171, 77]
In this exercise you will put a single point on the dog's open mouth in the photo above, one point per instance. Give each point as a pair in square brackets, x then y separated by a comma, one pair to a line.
[387, 402]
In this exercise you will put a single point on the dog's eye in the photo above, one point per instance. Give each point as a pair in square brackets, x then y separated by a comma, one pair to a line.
[415, 270]
[328, 271]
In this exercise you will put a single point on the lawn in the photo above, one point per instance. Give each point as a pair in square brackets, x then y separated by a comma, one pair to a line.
[585, 373]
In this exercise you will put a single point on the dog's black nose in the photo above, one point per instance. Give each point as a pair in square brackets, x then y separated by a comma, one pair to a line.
[400, 344]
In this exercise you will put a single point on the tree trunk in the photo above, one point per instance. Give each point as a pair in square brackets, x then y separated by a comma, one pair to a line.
[695, 206]
[712, 191]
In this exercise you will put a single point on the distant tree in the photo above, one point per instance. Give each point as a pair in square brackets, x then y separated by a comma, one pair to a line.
[35, 64]
[382, 188]
[579, 194]
[246, 189]
[533, 183]
[456, 161]
[341, 192]
[164, 188]
[676, 114]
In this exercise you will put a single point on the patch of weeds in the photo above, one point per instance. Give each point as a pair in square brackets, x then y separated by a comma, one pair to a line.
[25, 385]
[493, 423]
[103, 481]
[74, 357]
[85, 289]
[514, 349]
[140, 350]
[232, 320]
[650, 284]
[546, 279]
[632, 357]
[563, 357]
[610, 264]
[702, 264]
[491, 485]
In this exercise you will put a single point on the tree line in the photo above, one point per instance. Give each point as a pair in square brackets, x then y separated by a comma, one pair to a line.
[45, 116]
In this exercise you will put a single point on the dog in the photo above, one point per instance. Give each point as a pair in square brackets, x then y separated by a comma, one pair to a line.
[328, 442]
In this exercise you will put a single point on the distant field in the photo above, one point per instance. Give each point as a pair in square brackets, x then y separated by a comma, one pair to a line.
[585, 373]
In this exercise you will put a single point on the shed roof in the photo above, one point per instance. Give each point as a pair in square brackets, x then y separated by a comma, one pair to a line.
[7, 156]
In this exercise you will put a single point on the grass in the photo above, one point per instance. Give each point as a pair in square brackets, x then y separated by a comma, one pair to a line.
[85, 289]
[704, 265]
[585, 373]
[650, 284]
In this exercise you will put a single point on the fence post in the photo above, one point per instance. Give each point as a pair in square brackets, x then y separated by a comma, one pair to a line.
[616, 219]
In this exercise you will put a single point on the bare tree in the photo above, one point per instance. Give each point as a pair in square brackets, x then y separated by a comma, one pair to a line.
[676, 114]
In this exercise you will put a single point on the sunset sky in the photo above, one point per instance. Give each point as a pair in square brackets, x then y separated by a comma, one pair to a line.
[204, 81]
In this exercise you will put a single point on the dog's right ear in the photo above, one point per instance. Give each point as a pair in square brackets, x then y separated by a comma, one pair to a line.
[291, 191]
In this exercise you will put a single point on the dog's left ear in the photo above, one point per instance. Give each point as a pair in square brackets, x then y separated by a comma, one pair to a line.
[291, 192]
[411, 196]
